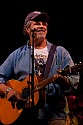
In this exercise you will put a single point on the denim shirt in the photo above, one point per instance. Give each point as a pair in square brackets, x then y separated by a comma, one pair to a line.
[19, 64]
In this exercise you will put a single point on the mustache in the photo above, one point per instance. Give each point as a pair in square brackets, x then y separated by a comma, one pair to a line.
[38, 30]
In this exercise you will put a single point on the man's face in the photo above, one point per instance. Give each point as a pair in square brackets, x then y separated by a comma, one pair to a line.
[39, 29]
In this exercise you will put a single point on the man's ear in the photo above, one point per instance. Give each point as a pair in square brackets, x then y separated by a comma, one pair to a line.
[27, 30]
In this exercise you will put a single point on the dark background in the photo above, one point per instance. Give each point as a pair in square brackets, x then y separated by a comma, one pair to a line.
[65, 25]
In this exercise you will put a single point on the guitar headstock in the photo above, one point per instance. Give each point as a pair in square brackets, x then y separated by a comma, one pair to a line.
[72, 70]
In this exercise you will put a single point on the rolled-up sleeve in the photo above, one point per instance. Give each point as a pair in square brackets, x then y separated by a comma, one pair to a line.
[74, 80]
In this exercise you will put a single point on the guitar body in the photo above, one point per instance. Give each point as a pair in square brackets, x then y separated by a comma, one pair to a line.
[8, 114]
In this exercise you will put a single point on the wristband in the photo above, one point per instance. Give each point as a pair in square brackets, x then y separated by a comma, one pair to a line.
[7, 90]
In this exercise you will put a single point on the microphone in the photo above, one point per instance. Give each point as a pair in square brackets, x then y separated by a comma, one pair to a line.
[33, 30]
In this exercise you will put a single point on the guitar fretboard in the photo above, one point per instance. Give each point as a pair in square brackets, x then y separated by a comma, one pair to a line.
[43, 83]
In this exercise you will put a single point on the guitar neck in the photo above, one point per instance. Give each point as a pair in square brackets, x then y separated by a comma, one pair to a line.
[43, 83]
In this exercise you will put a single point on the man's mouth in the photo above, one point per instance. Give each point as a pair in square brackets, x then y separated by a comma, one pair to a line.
[40, 30]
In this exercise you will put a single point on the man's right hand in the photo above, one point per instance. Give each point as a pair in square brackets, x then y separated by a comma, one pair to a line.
[13, 95]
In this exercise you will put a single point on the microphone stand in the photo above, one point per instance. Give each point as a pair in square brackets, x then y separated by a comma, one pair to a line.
[32, 75]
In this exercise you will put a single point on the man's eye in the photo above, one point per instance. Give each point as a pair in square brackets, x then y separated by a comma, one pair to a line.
[37, 24]
[45, 24]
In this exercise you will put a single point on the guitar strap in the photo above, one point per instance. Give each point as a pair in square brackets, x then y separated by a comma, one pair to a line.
[49, 61]
[46, 73]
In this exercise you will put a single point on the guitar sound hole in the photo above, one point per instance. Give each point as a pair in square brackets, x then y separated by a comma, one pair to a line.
[25, 93]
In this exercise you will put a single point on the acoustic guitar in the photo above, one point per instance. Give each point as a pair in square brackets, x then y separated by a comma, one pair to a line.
[11, 110]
